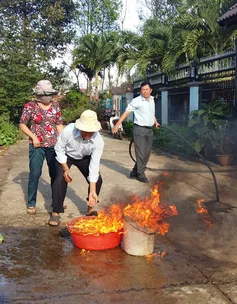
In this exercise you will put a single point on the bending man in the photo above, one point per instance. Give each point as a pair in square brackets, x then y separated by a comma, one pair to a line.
[79, 144]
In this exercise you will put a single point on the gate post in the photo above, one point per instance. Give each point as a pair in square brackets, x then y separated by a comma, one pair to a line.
[193, 95]
[164, 106]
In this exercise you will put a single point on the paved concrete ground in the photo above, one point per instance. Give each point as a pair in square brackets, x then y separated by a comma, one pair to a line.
[191, 264]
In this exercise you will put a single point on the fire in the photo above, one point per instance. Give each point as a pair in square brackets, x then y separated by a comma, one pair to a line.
[158, 254]
[150, 213]
[107, 221]
[203, 211]
[200, 207]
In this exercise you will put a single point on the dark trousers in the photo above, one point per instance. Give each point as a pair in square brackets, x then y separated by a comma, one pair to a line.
[59, 187]
[36, 159]
[143, 139]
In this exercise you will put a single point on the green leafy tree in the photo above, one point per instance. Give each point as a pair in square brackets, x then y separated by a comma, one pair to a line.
[98, 17]
[187, 31]
[40, 28]
[202, 34]
[160, 9]
[92, 54]
[206, 124]
[32, 33]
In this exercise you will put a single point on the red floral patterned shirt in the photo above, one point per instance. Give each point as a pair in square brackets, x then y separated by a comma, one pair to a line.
[42, 122]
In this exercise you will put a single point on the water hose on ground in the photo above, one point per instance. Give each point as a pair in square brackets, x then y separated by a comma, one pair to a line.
[203, 159]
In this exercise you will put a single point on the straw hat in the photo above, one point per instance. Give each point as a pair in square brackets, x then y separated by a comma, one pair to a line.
[88, 122]
[44, 87]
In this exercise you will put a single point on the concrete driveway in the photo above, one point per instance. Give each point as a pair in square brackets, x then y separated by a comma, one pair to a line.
[194, 263]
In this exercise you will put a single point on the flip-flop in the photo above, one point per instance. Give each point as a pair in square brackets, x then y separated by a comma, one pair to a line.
[54, 219]
[31, 210]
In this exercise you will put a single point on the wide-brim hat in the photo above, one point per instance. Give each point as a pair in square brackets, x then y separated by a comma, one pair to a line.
[88, 122]
[44, 88]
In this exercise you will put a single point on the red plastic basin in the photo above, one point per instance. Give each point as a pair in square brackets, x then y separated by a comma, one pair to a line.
[95, 242]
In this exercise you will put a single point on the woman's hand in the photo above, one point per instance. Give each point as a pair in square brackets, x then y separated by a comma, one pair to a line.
[36, 142]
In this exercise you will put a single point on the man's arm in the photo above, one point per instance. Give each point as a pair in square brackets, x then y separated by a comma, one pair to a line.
[60, 149]
[94, 168]
[123, 116]
[67, 173]
[156, 123]
[93, 197]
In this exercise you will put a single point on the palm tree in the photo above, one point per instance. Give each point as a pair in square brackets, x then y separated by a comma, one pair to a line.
[192, 34]
[91, 55]
[199, 33]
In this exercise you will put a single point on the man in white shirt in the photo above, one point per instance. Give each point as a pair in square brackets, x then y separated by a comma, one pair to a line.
[79, 144]
[143, 108]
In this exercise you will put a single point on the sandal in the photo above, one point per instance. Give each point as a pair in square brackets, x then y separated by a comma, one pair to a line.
[54, 220]
[92, 213]
[31, 210]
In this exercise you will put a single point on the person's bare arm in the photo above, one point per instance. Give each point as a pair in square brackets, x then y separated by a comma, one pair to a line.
[27, 131]
[123, 116]
[93, 198]
[59, 128]
[67, 174]
[156, 123]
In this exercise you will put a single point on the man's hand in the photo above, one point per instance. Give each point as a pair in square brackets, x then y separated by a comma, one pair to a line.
[115, 129]
[36, 142]
[67, 176]
[157, 124]
[92, 199]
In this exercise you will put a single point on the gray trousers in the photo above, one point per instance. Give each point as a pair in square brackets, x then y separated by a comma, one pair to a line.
[143, 139]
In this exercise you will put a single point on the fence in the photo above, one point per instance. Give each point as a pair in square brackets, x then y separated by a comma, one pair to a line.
[215, 76]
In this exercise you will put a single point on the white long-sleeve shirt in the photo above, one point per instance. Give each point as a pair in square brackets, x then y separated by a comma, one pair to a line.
[71, 143]
[144, 110]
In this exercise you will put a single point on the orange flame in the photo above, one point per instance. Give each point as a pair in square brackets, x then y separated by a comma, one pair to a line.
[200, 207]
[150, 213]
[107, 221]
[203, 211]
[158, 254]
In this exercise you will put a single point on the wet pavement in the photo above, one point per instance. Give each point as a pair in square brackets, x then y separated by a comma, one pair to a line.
[194, 263]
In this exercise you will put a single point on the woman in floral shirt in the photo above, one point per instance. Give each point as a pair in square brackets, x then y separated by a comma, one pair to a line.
[41, 121]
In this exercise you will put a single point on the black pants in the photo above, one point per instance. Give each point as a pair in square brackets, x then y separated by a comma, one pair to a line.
[143, 139]
[59, 187]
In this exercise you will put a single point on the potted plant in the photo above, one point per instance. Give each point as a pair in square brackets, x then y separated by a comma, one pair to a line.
[207, 125]
[222, 143]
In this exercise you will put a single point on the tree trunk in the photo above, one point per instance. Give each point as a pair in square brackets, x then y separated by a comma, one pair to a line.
[96, 86]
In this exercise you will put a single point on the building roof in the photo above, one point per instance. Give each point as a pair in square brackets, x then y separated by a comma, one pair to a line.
[230, 17]
[126, 86]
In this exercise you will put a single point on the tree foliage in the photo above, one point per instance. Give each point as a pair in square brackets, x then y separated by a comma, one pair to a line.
[180, 32]
[32, 33]
[40, 28]
[92, 54]
[98, 17]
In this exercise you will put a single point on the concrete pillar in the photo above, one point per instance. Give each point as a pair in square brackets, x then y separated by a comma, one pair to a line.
[193, 95]
[164, 106]
[129, 97]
